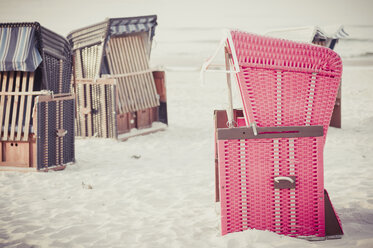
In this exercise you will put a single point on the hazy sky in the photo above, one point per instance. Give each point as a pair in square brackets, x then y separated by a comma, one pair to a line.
[66, 15]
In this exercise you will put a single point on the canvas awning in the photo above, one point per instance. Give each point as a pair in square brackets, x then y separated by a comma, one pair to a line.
[98, 33]
[18, 49]
[119, 26]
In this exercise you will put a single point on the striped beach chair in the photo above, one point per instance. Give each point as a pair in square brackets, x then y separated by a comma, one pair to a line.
[270, 159]
[116, 52]
[36, 107]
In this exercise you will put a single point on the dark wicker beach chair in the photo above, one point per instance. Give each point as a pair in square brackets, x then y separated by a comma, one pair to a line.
[36, 107]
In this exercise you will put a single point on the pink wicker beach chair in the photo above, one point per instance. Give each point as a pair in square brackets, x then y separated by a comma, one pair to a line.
[271, 169]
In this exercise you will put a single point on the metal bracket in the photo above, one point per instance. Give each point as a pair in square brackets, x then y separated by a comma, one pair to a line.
[283, 182]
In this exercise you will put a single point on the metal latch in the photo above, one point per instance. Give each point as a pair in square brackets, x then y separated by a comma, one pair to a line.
[284, 182]
[61, 132]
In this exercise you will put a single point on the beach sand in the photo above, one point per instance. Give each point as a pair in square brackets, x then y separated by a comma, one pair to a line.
[165, 198]
[158, 190]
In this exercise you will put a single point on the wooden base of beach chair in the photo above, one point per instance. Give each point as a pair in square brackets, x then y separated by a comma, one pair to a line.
[98, 112]
[144, 118]
[141, 119]
[124, 123]
[18, 153]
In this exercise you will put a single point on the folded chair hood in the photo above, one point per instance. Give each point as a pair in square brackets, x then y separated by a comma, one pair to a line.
[258, 52]
[97, 33]
[18, 49]
[23, 46]
[119, 26]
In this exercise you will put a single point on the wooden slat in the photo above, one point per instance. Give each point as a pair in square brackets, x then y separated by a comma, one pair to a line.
[113, 114]
[135, 66]
[108, 110]
[15, 106]
[150, 94]
[82, 117]
[94, 89]
[58, 126]
[99, 95]
[145, 62]
[78, 64]
[131, 67]
[84, 66]
[125, 100]
[124, 75]
[119, 61]
[60, 84]
[2, 100]
[90, 63]
[32, 93]
[7, 107]
[269, 132]
[88, 92]
[137, 43]
[28, 106]
[111, 64]
[99, 81]
[44, 152]
[98, 59]
[93, 113]
[127, 67]
[103, 114]
[62, 138]
[77, 74]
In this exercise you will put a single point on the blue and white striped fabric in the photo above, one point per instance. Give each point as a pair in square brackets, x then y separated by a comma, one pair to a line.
[18, 51]
[130, 25]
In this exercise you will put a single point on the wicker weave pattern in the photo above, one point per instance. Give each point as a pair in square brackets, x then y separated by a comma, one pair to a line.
[54, 115]
[248, 197]
[285, 83]
[282, 83]
[68, 142]
[99, 98]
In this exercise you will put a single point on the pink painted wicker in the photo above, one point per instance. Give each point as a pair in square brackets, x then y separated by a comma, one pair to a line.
[285, 83]
[247, 194]
[282, 83]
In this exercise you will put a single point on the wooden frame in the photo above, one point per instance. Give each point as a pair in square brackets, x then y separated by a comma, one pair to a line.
[136, 99]
[128, 62]
[96, 110]
[269, 132]
[19, 123]
[110, 122]
[15, 105]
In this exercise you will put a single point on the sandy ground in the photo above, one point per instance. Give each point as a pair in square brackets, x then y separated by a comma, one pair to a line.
[165, 198]
[158, 190]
